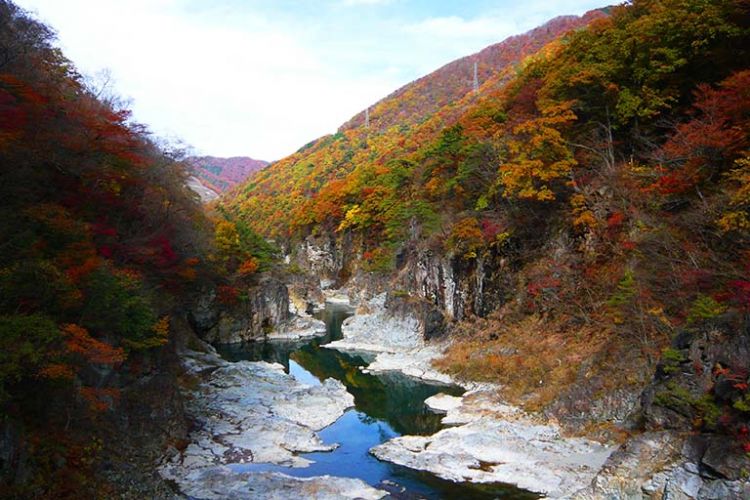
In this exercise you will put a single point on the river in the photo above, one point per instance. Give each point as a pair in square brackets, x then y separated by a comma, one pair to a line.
[386, 406]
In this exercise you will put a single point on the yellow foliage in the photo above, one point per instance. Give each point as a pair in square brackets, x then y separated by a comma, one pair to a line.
[538, 155]
[161, 329]
[736, 219]
[226, 237]
[351, 219]
[583, 216]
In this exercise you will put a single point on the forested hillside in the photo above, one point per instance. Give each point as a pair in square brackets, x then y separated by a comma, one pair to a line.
[101, 242]
[593, 197]
[308, 186]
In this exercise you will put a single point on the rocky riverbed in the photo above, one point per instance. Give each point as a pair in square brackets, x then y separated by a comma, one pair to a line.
[248, 413]
[487, 441]
[254, 412]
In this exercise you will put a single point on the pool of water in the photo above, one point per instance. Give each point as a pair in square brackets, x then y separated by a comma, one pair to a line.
[386, 406]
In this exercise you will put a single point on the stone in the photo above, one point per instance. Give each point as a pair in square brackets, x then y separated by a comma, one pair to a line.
[724, 457]
[495, 442]
[299, 327]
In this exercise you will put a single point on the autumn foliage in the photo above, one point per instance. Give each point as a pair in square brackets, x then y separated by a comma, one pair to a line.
[101, 238]
[602, 177]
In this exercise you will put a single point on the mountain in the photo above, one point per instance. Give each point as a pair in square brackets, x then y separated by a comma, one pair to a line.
[222, 174]
[279, 200]
[578, 228]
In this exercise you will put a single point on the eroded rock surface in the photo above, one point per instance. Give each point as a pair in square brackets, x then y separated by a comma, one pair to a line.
[254, 412]
[495, 442]
[222, 483]
[662, 464]
[378, 331]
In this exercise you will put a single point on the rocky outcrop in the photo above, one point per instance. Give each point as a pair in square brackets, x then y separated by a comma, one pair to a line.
[265, 310]
[663, 464]
[440, 288]
[222, 483]
[493, 442]
[694, 421]
[454, 285]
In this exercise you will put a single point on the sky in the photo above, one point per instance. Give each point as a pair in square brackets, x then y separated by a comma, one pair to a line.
[261, 78]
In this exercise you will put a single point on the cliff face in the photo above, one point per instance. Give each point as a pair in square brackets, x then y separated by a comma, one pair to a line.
[263, 307]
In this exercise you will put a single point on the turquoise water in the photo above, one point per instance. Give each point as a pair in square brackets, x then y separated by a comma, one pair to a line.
[386, 406]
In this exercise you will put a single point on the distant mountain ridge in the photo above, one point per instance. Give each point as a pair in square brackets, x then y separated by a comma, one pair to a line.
[426, 95]
[222, 174]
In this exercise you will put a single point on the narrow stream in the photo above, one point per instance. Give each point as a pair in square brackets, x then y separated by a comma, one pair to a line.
[386, 406]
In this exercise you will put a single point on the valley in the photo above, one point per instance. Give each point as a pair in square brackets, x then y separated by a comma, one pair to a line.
[522, 275]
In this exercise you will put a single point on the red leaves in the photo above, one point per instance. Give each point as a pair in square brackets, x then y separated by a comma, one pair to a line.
[615, 220]
[167, 256]
[741, 295]
[100, 399]
[712, 138]
[490, 229]
[227, 295]
[671, 182]
[12, 116]
[545, 283]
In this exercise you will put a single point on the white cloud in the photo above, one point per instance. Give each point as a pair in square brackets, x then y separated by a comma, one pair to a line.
[222, 89]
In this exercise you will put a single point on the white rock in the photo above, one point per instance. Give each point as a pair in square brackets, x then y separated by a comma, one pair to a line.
[443, 403]
[222, 483]
[253, 412]
[416, 363]
[298, 328]
[378, 332]
[533, 457]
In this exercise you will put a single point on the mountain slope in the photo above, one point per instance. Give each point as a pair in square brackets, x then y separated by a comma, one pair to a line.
[419, 99]
[298, 190]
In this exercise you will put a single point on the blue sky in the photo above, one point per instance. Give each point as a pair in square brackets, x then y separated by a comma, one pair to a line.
[263, 77]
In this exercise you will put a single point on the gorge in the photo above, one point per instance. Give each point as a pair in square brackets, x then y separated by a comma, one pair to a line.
[530, 283]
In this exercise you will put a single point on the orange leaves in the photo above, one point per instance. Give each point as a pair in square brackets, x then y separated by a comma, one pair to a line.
[466, 237]
[161, 329]
[248, 267]
[100, 399]
[79, 272]
[56, 371]
[78, 341]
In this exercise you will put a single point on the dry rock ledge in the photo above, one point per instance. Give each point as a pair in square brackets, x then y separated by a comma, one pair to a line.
[254, 412]
[487, 441]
